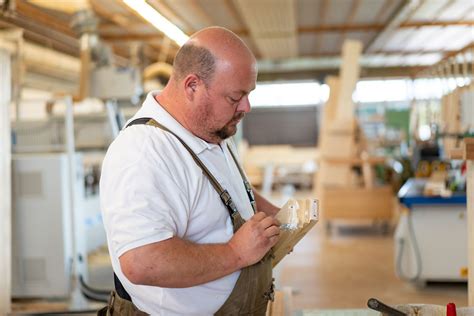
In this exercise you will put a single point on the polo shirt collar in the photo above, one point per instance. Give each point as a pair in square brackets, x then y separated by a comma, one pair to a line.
[154, 109]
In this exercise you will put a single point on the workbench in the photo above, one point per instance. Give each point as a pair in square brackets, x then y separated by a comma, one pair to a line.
[438, 233]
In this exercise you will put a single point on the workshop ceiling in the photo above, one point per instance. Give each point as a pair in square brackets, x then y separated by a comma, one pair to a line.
[299, 38]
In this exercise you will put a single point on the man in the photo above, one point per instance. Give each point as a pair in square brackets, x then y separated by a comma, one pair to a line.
[182, 232]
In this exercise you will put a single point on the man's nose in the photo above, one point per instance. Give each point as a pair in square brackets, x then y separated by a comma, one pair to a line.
[244, 105]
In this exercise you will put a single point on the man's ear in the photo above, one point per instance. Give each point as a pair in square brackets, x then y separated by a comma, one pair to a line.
[191, 83]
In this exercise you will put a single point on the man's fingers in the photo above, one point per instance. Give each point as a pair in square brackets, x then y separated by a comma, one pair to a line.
[269, 221]
[272, 231]
[274, 240]
[259, 216]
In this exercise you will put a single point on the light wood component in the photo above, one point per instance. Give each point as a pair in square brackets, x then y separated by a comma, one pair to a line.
[277, 307]
[357, 203]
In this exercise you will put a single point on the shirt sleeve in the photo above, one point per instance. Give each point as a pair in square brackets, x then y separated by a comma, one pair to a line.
[141, 202]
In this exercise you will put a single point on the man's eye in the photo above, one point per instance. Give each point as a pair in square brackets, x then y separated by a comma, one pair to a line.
[234, 100]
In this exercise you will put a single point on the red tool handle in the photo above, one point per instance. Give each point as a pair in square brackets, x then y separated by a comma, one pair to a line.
[451, 309]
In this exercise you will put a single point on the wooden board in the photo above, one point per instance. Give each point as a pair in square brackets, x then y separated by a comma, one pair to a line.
[357, 203]
[468, 152]
[288, 240]
[277, 307]
[307, 215]
[451, 109]
[465, 152]
[349, 75]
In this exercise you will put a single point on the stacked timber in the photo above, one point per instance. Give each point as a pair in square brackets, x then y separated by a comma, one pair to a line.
[344, 194]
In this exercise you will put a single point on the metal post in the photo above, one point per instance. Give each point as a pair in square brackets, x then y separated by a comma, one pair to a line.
[79, 260]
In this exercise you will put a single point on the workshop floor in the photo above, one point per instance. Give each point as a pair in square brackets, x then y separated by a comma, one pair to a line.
[353, 263]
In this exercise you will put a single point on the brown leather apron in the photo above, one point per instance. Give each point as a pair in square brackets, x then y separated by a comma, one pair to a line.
[254, 287]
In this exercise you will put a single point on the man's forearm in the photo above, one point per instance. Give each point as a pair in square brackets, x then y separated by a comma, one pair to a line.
[263, 205]
[177, 263]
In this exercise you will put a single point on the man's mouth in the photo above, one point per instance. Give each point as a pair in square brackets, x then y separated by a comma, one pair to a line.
[238, 118]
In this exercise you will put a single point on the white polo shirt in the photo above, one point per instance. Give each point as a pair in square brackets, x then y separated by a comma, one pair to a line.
[151, 189]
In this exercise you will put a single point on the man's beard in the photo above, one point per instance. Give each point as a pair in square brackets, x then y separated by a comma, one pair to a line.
[230, 128]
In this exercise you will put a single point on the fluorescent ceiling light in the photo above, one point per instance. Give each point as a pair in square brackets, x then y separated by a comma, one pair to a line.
[157, 20]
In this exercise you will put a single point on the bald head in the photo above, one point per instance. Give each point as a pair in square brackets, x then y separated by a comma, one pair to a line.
[205, 49]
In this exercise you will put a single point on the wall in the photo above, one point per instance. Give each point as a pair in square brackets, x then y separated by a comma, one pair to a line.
[294, 125]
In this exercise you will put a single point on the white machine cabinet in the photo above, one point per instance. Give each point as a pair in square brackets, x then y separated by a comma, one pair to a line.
[431, 240]
[42, 227]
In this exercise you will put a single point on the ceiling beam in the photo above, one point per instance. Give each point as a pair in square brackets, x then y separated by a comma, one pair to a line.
[437, 23]
[446, 57]
[385, 53]
[320, 74]
[110, 28]
[43, 34]
[30, 12]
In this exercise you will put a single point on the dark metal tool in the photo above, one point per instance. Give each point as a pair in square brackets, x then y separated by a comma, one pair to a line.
[377, 305]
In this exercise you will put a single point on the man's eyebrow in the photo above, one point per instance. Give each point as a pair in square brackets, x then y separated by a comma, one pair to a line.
[243, 92]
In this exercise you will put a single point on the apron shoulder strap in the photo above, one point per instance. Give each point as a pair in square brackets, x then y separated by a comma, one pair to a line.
[223, 194]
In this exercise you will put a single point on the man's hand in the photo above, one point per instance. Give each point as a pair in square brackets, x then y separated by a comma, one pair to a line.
[253, 240]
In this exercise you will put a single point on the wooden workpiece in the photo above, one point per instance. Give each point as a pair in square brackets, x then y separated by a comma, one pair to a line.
[307, 212]
[288, 240]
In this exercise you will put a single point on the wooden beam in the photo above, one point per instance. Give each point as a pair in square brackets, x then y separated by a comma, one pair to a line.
[416, 24]
[39, 36]
[385, 53]
[348, 77]
[31, 26]
[446, 58]
[104, 28]
[132, 37]
[320, 74]
[39, 16]
[85, 71]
